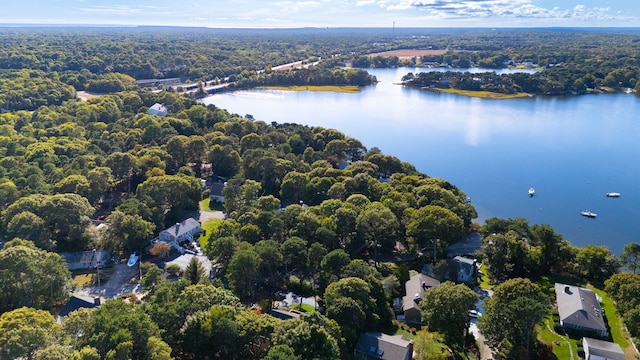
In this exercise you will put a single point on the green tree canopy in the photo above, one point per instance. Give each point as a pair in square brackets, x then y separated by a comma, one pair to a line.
[32, 277]
[445, 309]
[512, 313]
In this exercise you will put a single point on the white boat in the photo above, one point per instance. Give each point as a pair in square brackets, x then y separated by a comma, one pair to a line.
[613, 194]
[133, 259]
[589, 214]
[532, 191]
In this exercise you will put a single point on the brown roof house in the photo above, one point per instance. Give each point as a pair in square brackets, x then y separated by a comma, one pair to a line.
[415, 288]
[580, 309]
[375, 346]
[601, 350]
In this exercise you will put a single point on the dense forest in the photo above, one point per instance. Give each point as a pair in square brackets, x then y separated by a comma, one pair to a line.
[307, 209]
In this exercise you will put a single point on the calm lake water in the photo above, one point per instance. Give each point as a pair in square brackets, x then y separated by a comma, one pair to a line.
[573, 150]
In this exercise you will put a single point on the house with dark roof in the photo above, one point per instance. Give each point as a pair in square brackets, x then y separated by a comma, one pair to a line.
[379, 346]
[77, 302]
[579, 309]
[216, 194]
[601, 350]
[415, 288]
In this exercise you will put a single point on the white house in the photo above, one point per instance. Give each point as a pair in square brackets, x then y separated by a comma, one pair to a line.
[158, 110]
[180, 232]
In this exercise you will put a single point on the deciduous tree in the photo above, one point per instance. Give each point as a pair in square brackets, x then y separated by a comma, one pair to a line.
[445, 309]
[512, 313]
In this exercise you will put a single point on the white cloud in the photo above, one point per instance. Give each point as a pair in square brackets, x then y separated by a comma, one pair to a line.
[498, 9]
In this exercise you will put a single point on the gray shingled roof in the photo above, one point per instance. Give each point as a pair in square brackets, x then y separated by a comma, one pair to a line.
[605, 349]
[383, 346]
[179, 229]
[415, 288]
[579, 307]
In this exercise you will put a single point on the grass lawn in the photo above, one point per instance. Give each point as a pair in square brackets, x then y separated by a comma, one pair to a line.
[344, 89]
[303, 308]
[618, 330]
[82, 280]
[208, 226]
[483, 281]
[563, 346]
[206, 206]
[485, 94]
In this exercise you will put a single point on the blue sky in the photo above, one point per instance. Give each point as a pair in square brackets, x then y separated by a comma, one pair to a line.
[326, 13]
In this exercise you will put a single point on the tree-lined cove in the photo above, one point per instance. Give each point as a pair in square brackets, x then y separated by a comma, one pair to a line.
[572, 149]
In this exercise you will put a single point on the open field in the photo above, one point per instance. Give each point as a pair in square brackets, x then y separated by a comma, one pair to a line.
[343, 89]
[483, 94]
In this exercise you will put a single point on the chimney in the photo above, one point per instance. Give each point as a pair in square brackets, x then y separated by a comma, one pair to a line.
[96, 301]
[567, 290]
[416, 298]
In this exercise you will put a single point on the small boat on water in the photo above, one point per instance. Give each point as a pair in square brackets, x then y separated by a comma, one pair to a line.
[613, 194]
[588, 214]
[532, 192]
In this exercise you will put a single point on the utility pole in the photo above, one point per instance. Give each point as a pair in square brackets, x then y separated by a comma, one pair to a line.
[393, 33]
[435, 242]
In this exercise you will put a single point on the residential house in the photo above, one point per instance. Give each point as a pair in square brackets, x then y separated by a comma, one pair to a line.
[378, 346]
[415, 288]
[216, 185]
[158, 110]
[77, 302]
[580, 309]
[87, 259]
[601, 350]
[180, 232]
[467, 268]
[216, 194]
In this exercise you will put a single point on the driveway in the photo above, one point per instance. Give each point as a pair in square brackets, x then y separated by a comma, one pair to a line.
[123, 280]
[206, 215]
[485, 350]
